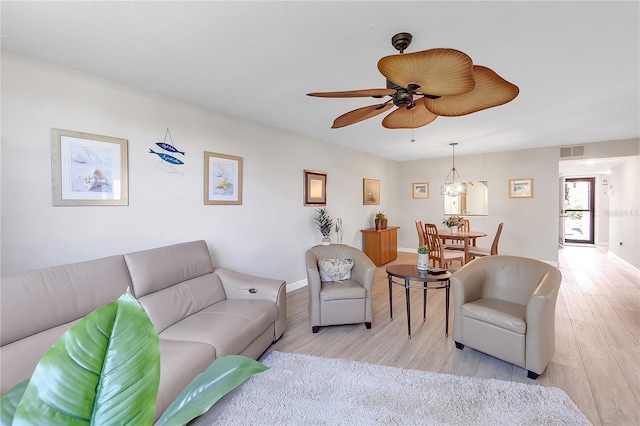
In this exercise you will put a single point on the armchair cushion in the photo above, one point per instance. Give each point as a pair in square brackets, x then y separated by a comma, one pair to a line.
[510, 316]
[335, 269]
[342, 290]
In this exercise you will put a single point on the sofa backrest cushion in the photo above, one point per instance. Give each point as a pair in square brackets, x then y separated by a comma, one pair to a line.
[159, 268]
[174, 282]
[38, 300]
[172, 304]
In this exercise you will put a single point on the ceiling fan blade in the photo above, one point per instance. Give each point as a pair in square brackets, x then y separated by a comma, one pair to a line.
[376, 93]
[440, 72]
[360, 114]
[491, 90]
[403, 118]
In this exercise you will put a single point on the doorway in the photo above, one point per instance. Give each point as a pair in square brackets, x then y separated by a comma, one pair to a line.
[579, 210]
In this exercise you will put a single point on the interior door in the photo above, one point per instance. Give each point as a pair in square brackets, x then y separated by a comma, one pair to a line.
[579, 209]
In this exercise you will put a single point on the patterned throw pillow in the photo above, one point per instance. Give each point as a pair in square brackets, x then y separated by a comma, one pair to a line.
[335, 269]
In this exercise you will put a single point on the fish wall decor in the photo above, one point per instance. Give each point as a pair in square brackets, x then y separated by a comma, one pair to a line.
[167, 157]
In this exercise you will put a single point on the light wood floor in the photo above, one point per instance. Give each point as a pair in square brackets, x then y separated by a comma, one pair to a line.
[597, 360]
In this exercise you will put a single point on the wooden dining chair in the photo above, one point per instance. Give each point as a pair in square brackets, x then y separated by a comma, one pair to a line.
[422, 239]
[443, 257]
[482, 251]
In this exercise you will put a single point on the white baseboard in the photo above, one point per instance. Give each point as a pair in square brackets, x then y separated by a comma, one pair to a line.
[296, 285]
[621, 260]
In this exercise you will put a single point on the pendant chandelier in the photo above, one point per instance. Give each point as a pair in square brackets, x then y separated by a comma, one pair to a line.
[453, 188]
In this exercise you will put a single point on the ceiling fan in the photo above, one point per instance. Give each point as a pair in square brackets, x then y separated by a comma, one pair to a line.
[424, 85]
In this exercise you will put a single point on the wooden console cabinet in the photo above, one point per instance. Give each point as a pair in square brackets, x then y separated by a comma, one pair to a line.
[381, 245]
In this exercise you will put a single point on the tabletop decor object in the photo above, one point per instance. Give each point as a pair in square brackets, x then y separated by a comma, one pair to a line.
[423, 258]
[381, 220]
[452, 222]
[339, 230]
[324, 223]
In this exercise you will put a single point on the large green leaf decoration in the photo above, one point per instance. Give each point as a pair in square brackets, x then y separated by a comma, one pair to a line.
[221, 377]
[9, 402]
[105, 370]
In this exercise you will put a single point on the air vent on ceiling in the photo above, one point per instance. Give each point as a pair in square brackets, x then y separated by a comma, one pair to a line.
[572, 151]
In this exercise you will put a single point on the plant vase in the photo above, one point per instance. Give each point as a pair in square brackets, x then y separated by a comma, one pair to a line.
[326, 241]
[378, 224]
[423, 262]
[454, 230]
[383, 223]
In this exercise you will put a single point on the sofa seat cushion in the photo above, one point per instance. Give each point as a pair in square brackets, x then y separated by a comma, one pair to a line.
[229, 325]
[507, 315]
[347, 289]
[180, 363]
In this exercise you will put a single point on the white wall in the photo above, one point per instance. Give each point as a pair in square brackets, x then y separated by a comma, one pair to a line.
[623, 212]
[267, 235]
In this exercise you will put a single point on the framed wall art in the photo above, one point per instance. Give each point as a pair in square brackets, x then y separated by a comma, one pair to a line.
[88, 169]
[420, 190]
[521, 188]
[370, 191]
[222, 178]
[315, 188]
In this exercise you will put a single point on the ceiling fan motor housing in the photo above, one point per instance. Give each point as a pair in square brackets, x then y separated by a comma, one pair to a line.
[403, 98]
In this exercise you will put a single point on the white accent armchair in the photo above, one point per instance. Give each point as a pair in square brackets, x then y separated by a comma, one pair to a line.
[505, 307]
[346, 301]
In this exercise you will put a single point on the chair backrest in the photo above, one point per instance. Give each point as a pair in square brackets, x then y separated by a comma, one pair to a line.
[494, 246]
[422, 240]
[466, 225]
[433, 240]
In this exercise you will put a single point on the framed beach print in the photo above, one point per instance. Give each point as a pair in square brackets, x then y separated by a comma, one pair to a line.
[315, 188]
[420, 190]
[370, 191]
[222, 178]
[521, 188]
[88, 169]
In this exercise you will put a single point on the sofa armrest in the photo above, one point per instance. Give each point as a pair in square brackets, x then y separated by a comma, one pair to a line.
[243, 286]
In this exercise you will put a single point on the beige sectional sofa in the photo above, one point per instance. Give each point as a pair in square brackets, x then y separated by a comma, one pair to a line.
[200, 312]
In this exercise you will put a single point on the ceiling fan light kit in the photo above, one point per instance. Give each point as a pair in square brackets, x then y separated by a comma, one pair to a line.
[427, 84]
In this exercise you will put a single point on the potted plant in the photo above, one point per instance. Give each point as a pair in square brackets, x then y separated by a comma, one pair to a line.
[381, 220]
[423, 258]
[106, 370]
[452, 222]
[324, 223]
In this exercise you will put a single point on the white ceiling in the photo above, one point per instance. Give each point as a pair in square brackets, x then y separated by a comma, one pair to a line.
[577, 64]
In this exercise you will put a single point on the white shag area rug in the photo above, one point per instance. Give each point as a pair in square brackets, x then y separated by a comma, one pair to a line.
[307, 390]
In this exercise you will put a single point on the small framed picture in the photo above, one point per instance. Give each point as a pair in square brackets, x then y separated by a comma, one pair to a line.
[88, 169]
[315, 188]
[420, 190]
[521, 188]
[222, 178]
[370, 191]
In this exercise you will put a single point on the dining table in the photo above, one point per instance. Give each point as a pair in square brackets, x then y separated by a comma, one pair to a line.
[468, 238]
